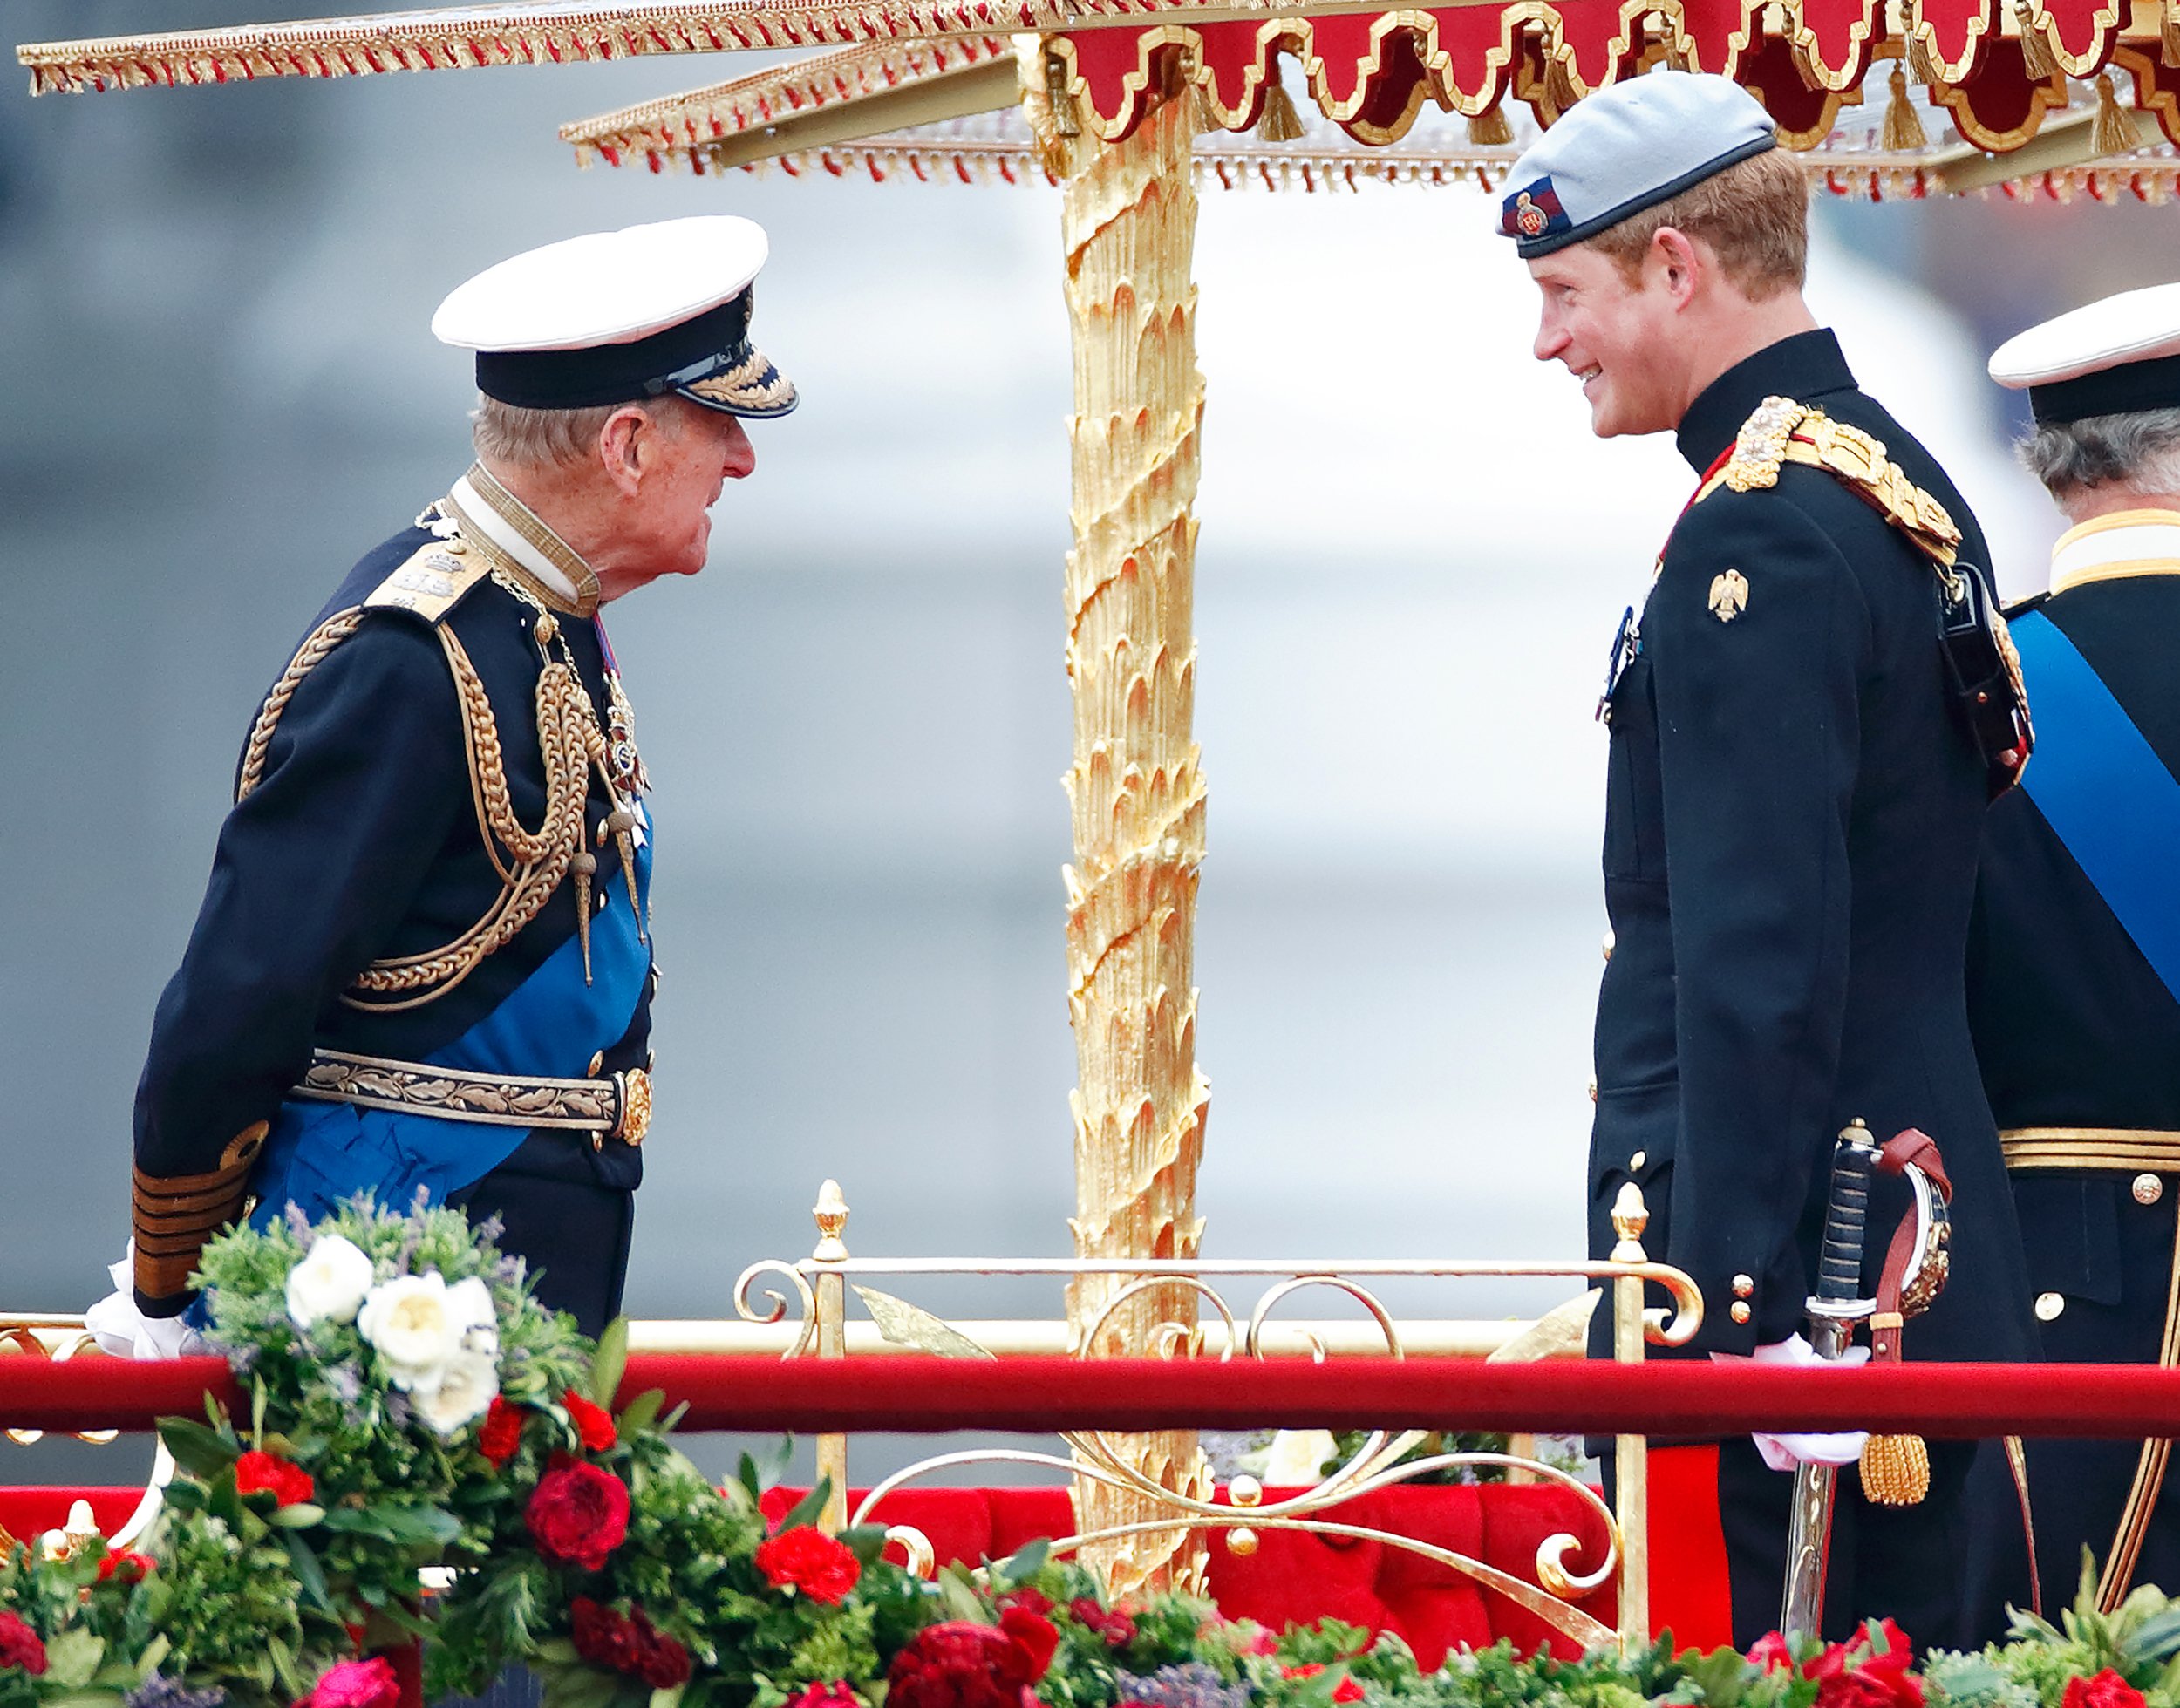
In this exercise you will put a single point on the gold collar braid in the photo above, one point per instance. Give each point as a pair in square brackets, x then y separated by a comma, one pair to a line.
[517, 516]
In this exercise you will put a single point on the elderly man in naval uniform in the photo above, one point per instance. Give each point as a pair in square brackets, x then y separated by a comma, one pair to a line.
[2074, 957]
[423, 963]
[1796, 793]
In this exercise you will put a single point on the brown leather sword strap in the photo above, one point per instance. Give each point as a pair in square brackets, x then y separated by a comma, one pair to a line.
[1910, 1146]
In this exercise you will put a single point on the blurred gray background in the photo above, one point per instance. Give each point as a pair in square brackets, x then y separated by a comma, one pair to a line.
[220, 390]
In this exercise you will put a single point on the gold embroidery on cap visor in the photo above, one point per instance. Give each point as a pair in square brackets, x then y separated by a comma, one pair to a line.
[752, 386]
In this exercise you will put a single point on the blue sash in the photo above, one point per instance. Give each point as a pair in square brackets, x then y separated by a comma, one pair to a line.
[320, 1155]
[2104, 792]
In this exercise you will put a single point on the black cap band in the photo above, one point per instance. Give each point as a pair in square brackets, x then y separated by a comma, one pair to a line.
[714, 340]
[2120, 390]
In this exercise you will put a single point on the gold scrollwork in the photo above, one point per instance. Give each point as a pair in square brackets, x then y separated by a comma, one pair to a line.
[805, 1296]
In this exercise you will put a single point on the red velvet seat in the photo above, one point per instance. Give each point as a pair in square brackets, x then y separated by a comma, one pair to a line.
[1294, 1577]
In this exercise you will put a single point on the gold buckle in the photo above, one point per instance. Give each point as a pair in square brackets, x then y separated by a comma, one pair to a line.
[633, 1087]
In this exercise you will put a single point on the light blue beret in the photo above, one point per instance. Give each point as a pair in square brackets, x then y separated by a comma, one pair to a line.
[1629, 147]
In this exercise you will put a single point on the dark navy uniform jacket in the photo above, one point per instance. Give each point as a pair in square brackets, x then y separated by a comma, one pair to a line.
[363, 842]
[2074, 1029]
[1791, 830]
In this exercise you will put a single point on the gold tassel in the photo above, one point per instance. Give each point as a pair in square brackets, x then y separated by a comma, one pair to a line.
[1923, 62]
[1280, 121]
[1490, 128]
[1902, 130]
[1066, 120]
[2113, 132]
[1896, 1470]
[2168, 34]
[1559, 85]
[585, 863]
[2036, 56]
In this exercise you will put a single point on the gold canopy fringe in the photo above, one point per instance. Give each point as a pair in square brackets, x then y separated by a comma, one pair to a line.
[1305, 167]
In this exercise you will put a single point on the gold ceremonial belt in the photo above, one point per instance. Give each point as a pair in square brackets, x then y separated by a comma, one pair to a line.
[618, 1106]
[2077, 1148]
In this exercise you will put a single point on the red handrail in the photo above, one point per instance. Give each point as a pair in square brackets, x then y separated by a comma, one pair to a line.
[1041, 1395]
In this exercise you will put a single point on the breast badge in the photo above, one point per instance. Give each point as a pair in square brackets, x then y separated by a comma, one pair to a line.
[1729, 594]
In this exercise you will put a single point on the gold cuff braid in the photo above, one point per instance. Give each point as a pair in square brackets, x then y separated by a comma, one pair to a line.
[172, 1217]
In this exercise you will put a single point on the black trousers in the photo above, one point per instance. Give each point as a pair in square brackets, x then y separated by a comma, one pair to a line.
[1905, 1564]
[569, 1212]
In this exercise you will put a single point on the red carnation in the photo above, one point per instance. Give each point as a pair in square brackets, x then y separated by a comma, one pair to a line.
[578, 1513]
[501, 1432]
[1028, 1596]
[1114, 1626]
[958, 1664]
[805, 1558]
[627, 1642]
[1037, 1636]
[371, 1684]
[832, 1695]
[2107, 1689]
[594, 1424]
[127, 1565]
[19, 1646]
[288, 1484]
[1770, 1653]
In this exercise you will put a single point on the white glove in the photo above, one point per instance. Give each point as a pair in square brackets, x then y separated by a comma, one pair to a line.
[1784, 1452]
[123, 1332]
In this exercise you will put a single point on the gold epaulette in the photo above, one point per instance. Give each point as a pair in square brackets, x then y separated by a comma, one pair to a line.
[1782, 431]
[432, 581]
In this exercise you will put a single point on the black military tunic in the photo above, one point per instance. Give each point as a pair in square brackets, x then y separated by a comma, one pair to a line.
[2080, 1041]
[1792, 823]
[360, 843]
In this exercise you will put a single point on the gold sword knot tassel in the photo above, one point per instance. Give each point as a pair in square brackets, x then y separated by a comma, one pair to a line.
[583, 863]
[620, 825]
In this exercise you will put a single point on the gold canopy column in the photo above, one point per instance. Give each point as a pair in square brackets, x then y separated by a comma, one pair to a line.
[1128, 221]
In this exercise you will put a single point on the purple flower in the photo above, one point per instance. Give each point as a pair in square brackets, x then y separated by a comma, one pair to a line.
[490, 1229]
[1191, 1684]
[160, 1691]
[398, 1410]
[345, 1381]
[299, 1225]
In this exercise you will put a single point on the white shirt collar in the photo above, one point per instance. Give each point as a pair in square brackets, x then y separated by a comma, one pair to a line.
[479, 511]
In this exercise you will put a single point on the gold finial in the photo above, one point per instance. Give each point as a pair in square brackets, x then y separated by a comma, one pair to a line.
[831, 1212]
[1858, 1132]
[1241, 1541]
[1244, 1490]
[1630, 1215]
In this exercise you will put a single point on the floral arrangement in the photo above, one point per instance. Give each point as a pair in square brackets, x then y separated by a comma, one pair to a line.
[431, 1485]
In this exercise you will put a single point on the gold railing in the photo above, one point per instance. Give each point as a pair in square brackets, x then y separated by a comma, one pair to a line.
[816, 1324]
[810, 1316]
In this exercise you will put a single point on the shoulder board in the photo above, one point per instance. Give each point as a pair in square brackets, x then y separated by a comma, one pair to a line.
[1782, 431]
[433, 579]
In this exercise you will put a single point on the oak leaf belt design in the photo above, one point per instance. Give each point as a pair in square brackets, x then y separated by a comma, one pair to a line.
[616, 1105]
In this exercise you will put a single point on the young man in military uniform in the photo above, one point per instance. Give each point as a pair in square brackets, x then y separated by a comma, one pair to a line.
[2073, 969]
[1793, 809]
[423, 964]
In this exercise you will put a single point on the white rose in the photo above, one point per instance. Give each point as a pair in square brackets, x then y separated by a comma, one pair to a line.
[1296, 1458]
[469, 1303]
[329, 1284]
[465, 1390]
[408, 1321]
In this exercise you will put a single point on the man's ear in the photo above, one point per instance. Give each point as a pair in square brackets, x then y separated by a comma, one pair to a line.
[1678, 263]
[622, 448]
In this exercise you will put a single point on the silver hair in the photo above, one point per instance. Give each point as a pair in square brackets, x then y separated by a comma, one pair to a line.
[2140, 449]
[510, 435]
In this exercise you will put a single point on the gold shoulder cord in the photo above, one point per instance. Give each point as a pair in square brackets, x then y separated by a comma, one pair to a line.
[531, 863]
[1782, 431]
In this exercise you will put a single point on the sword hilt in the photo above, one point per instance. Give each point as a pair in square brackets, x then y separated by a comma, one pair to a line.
[1846, 1216]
